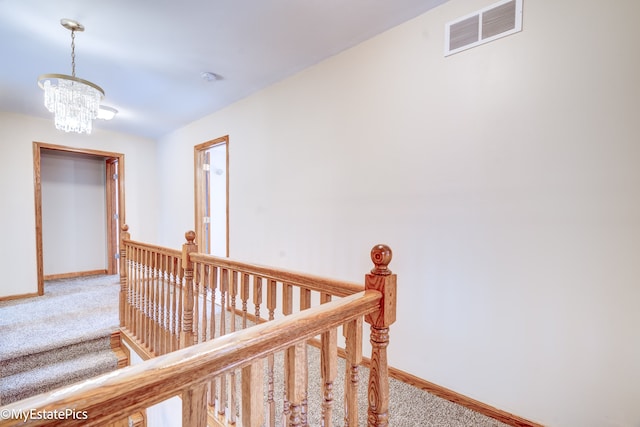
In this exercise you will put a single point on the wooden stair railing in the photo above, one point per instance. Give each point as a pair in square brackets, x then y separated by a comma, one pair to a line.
[186, 372]
[173, 300]
[151, 295]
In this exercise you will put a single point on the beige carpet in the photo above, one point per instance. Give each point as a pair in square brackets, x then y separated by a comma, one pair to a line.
[59, 338]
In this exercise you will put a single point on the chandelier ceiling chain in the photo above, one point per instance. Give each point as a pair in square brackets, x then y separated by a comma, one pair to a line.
[75, 102]
[73, 52]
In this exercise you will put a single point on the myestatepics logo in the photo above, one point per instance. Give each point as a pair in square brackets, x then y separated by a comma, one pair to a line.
[34, 414]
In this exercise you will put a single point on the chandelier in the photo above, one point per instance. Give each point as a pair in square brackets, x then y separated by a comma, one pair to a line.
[74, 102]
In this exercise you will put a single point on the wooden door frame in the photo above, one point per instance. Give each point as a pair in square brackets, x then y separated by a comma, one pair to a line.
[37, 181]
[112, 167]
[199, 188]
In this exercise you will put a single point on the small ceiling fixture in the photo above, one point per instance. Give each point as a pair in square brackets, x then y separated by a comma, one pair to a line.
[208, 76]
[74, 102]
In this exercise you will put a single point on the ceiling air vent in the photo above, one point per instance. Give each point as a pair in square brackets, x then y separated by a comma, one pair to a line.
[488, 24]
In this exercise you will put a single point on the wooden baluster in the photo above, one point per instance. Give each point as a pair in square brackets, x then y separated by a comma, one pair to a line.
[194, 406]
[197, 289]
[131, 254]
[271, 307]
[257, 297]
[154, 303]
[213, 280]
[150, 297]
[233, 293]
[244, 296]
[380, 279]
[169, 303]
[131, 282]
[287, 309]
[204, 289]
[180, 299]
[224, 287]
[232, 375]
[195, 326]
[160, 303]
[147, 295]
[124, 289]
[305, 303]
[127, 266]
[353, 346]
[295, 373]
[328, 366]
[147, 298]
[138, 294]
[175, 292]
[162, 308]
[252, 398]
[141, 320]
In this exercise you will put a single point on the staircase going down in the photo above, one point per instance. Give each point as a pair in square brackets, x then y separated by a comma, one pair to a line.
[60, 338]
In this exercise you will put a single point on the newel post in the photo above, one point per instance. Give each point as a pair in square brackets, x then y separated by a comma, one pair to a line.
[380, 279]
[186, 337]
[124, 286]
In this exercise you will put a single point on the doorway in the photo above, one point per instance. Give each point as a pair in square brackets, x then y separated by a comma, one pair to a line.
[113, 207]
[211, 174]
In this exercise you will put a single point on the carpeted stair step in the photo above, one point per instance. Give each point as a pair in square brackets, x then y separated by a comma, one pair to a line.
[35, 360]
[28, 383]
[59, 338]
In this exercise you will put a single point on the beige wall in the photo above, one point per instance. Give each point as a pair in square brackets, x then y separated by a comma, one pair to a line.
[505, 178]
[74, 225]
[17, 216]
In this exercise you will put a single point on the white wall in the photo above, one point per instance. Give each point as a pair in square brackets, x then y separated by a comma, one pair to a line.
[74, 231]
[218, 199]
[17, 216]
[164, 414]
[505, 179]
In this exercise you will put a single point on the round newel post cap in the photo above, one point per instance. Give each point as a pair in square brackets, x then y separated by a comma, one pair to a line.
[190, 236]
[381, 257]
[125, 227]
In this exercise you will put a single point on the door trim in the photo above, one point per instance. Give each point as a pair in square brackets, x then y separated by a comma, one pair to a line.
[37, 182]
[199, 187]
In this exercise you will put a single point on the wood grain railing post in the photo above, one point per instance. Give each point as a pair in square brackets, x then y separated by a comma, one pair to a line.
[252, 398]
[295, 373]
[124, 235]
[194, 406]
[271, 405]
[353, 359]
[186, 337]
[380, 279]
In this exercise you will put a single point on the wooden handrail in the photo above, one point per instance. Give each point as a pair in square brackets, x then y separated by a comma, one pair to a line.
[155, 248]
[108, 397]
[339, 288]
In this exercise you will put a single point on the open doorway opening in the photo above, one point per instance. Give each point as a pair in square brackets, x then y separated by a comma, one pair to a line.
[211, 173]
[79, 203]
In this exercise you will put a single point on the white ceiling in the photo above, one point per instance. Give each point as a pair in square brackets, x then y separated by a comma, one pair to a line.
[148, 54]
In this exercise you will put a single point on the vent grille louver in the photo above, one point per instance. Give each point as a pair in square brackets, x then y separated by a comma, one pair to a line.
[498, 20]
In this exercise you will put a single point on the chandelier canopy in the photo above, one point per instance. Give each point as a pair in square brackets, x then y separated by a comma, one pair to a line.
[74, 102]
